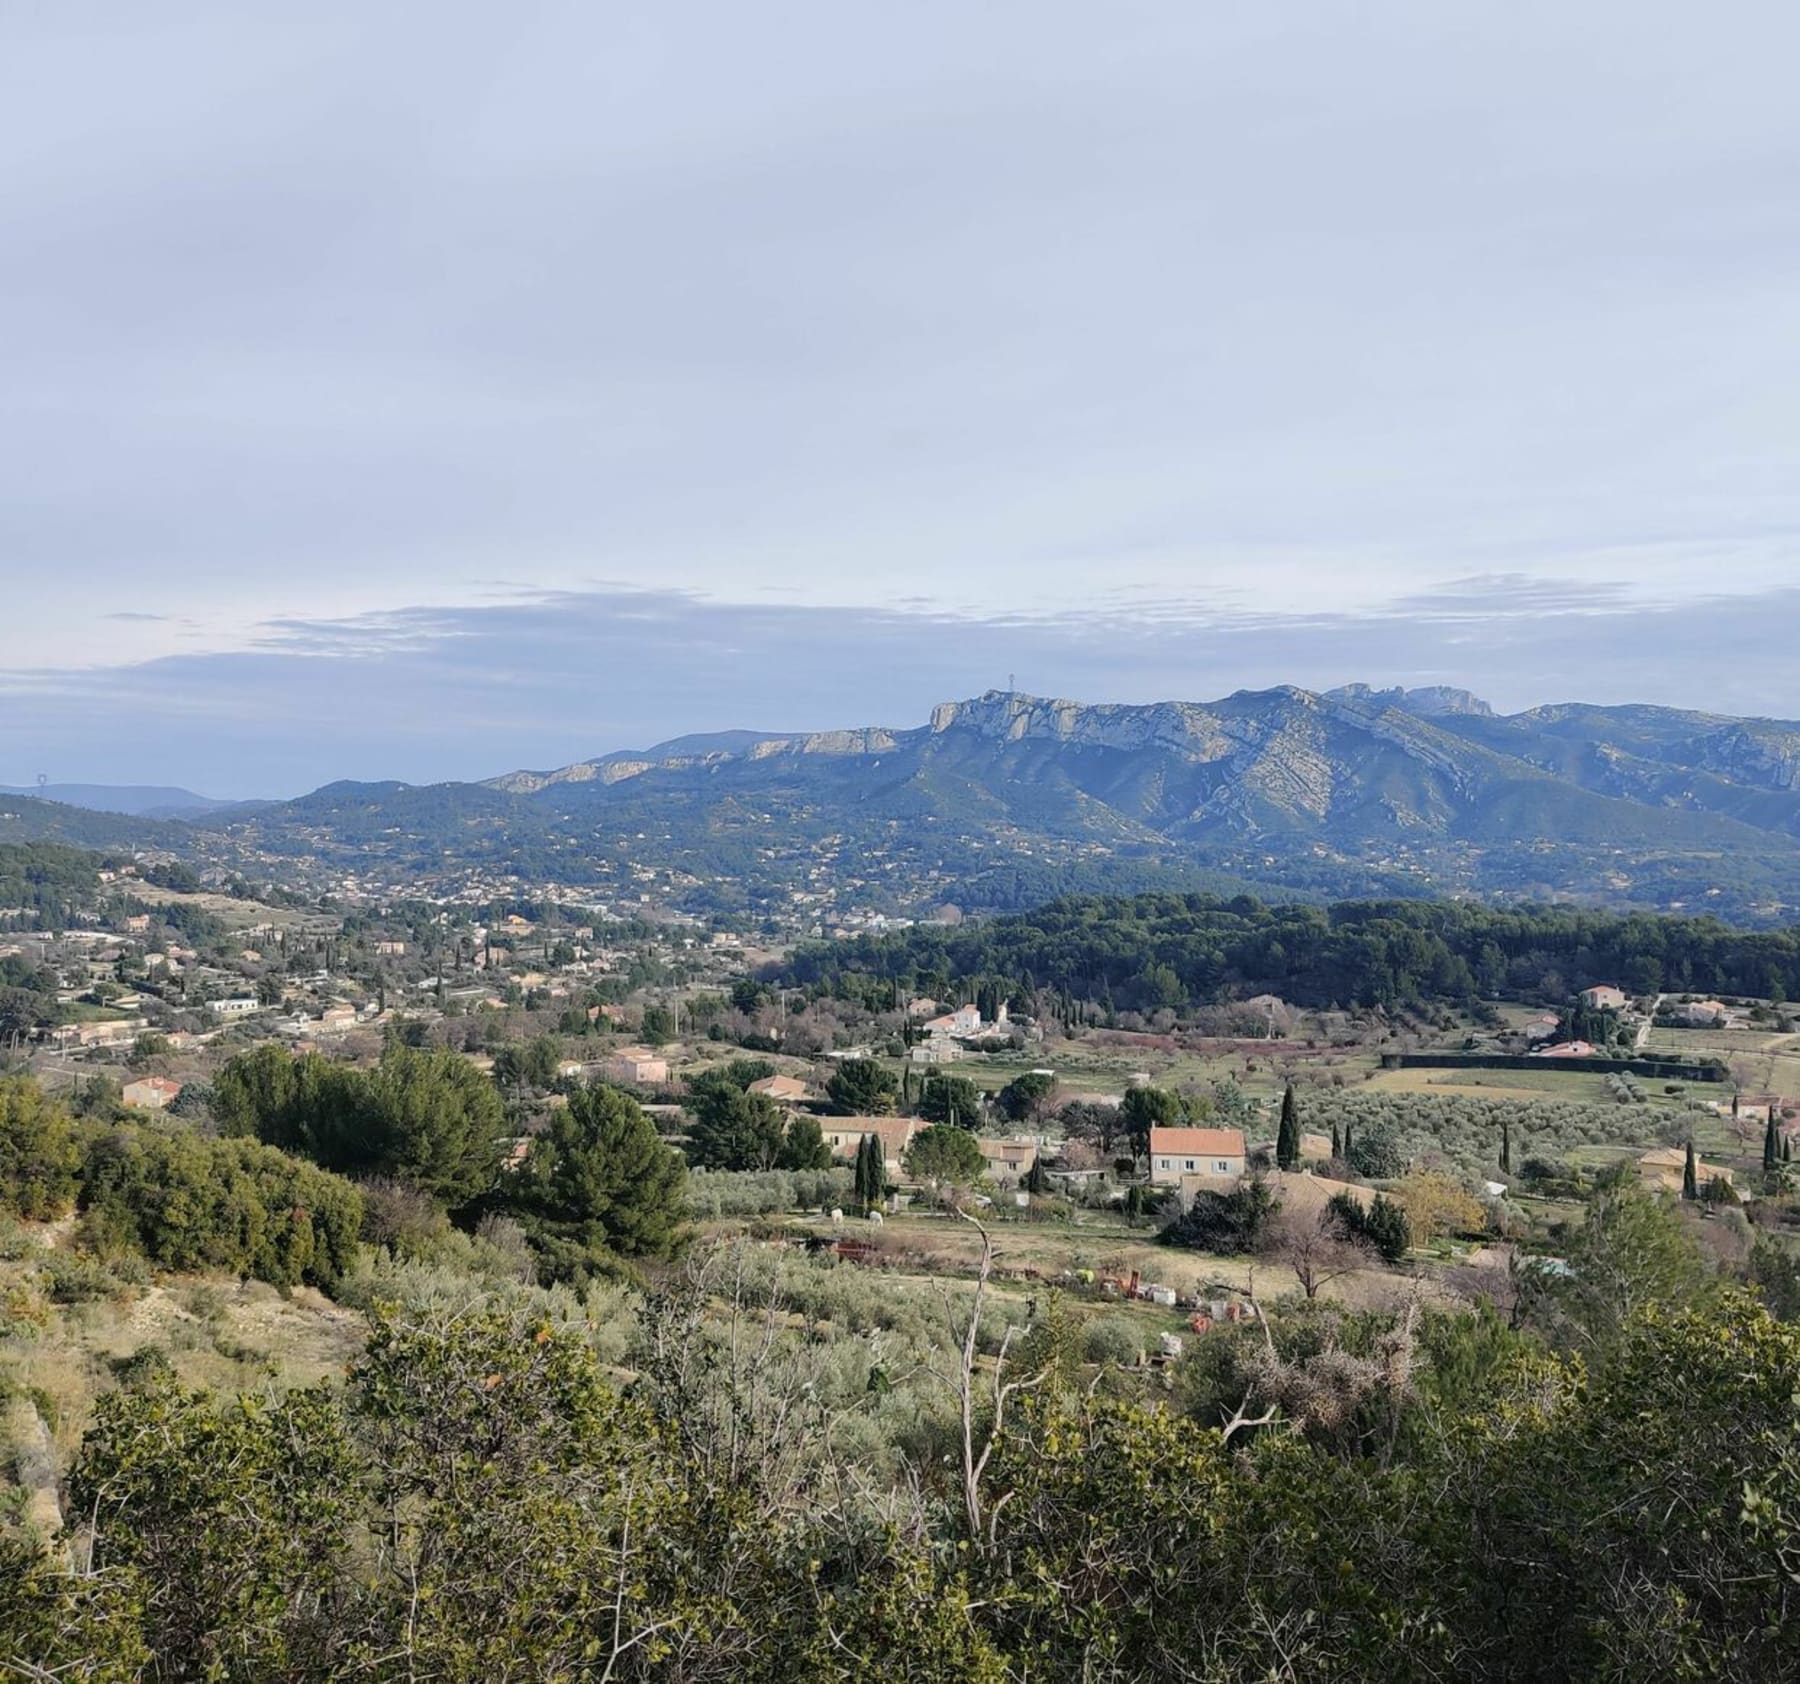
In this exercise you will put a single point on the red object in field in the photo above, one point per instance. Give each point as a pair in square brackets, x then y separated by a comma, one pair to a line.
[1201, 1324]
[1132, 1288]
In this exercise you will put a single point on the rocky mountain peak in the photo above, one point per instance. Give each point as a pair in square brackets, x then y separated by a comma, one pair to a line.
[1430, 701]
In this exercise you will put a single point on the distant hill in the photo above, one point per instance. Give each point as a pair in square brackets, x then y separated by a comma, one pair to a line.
[134, 800]
[26, 818]
[1007, 799]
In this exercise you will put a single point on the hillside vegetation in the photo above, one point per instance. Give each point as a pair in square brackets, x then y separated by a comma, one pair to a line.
[763, 1492]
[1183, 951]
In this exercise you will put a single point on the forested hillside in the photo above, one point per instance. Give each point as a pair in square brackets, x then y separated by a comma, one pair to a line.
[44, 882]
[1179, 951]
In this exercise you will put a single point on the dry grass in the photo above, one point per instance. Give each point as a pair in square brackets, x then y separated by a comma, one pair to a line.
[219, 1335]
[1584, 1085]
[234, 914]
[1029, 1256]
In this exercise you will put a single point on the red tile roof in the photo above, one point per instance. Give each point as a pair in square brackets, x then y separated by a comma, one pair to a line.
[1197, 1143]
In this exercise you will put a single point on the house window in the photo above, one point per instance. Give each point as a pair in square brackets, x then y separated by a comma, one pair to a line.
[1224, 1168]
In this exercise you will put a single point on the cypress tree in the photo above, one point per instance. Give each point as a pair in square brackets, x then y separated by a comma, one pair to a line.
[1349, 1143]
[1690, 1177]
[862, 1171]
[1337, 1140]
[1505, 1147]
[877, 1173]
[1287, 1138]
[1771, 1145]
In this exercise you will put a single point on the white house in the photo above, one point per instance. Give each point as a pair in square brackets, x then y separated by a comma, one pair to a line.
[1215, 1153]
[1008, 1160]
[844, 1136]
[636, 1067]
[965, 1020]
[151, 1093]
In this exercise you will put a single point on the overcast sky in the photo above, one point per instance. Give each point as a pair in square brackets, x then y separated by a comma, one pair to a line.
[425, 390]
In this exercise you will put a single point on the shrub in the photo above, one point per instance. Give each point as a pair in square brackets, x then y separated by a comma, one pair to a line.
[1228, 1223]
[1381, 1225]
[399, 1215]
[144, 1366]
[232, 1205]
[40, 1152]
[71, 1278]
[714, 1195]
[1376, 1152]
[1112, 1339]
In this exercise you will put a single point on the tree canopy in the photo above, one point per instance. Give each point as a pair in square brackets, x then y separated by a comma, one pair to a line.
[429, 1118]
[951, 1099]
[599, 1185]
[862, 1087]
[945, 1154]
[1183, 951]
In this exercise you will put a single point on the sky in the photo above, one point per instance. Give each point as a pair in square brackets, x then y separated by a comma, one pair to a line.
[424, 391]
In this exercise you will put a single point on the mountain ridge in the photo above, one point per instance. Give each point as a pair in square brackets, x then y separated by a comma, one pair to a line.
[1004, 793]
[1004, 797]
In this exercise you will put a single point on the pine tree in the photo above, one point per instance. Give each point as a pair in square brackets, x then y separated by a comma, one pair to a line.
[1287, 1138]
[601, 1182]
[1690, 1176]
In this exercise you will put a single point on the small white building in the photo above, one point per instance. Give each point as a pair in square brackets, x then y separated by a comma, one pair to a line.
[1603, 997]
[940, 1050]
[637, 1067]
[1702, 1014]
[1008, 1160]
[150, 1093]
[965, 1020]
